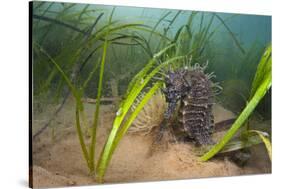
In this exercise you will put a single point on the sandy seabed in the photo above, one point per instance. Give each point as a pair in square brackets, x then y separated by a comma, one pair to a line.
[58, 160]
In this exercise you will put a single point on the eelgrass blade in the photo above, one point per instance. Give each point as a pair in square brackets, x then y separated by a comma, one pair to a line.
[144, 44]
[79, 105]
[191, 17]
[172, 21]
[201, 21]
[241, 144]
[231, 34]
[39, 4]
[58, 22]
[156, 25]
[84, 10]
[164, 37]
[80, 135]
[116, 135]
[86, 82]
[180, 30]
[84, 63]
[96, 114]
[266, 141]
[104, 31]
[138, 108]
[65, 77]
[263, 69]
[216, 28]
[66, 58]
[94, 24]
[206, 31]
[147, 67]
[58, 16]
[45, 11]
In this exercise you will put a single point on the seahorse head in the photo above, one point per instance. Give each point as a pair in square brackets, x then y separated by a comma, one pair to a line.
[176, 85]
[176, 88]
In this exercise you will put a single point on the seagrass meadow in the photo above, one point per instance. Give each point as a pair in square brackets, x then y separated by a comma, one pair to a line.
[129, 94]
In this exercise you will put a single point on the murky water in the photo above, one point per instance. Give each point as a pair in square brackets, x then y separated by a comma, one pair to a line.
[86, 53]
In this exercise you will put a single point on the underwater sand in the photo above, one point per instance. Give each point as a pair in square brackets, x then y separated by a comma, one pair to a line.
[58, 160]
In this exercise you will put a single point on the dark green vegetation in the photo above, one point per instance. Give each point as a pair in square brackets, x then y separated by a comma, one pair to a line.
[83, 51]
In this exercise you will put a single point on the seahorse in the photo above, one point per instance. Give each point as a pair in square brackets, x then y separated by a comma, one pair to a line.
[193, 89]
